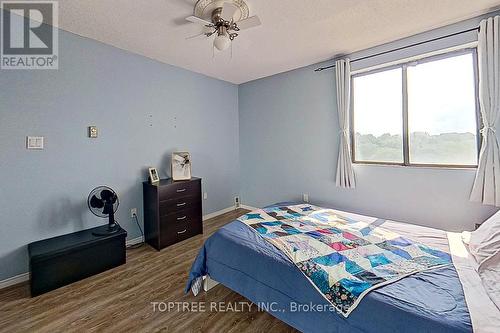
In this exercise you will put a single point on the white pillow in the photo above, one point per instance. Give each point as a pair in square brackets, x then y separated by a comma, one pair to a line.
[485, 241]
[489, 271]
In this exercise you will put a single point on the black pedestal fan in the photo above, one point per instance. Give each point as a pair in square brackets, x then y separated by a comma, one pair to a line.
[103, 202]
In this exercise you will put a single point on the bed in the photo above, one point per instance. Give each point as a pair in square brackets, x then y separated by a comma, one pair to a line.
[429, 301]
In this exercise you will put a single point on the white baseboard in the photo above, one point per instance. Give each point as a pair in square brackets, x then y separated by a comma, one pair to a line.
[219, 212]
[14, 280]
[134, 241]
[248, 207]
[226, 210]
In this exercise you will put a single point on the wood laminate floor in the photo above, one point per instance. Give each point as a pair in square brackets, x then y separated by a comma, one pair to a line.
[119, 300]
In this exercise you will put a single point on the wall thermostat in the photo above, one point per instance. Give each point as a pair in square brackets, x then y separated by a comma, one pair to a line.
[34, 142]
[93, 132]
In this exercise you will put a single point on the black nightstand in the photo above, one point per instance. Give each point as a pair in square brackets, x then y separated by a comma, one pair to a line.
[172, 211]
[58, 261]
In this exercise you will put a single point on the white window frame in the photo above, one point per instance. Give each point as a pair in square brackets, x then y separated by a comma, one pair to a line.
[405, 133]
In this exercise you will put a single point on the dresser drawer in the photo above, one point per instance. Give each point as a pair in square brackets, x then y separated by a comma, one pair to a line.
[176, 232]
[180, 189]
[181, 216]
[175, 205]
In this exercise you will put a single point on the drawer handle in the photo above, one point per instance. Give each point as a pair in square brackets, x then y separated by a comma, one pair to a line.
[181, 204]
[181, 190]
[181, 218]
[181, 232]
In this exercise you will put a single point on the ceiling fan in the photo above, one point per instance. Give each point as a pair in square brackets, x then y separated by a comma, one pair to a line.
[226, 18]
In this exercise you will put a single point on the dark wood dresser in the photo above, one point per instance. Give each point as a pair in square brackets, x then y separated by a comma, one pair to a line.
[172, 211]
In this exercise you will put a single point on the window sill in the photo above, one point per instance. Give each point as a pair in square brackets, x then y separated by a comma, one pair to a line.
[419, 166]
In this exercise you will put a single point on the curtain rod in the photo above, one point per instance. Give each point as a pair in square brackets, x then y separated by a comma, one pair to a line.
[402, 48]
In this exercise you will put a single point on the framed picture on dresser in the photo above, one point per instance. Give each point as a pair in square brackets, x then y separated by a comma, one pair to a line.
[153, 176]
[181, 166]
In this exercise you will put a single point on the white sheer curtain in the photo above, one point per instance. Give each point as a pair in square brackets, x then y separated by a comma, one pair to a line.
[345, 172]
[486, 187]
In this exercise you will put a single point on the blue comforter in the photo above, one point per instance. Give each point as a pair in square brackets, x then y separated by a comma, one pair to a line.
[240, 259]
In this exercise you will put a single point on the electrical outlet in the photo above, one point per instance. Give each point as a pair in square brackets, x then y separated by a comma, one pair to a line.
[133, 212]
[237, 201]
[305, 197]
[205, 195]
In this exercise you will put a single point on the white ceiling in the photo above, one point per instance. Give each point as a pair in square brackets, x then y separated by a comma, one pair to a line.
[294, 33]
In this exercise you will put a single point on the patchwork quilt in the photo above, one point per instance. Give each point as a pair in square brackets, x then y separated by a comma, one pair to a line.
[343, 258]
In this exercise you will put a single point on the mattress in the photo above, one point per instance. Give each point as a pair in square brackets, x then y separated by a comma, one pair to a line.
[430, 301]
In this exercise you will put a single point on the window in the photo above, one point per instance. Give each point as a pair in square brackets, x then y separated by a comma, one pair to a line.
[419, 113]
[378, 118]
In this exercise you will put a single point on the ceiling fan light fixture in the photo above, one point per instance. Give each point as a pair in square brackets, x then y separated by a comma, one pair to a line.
[224, 18]
[222, 42]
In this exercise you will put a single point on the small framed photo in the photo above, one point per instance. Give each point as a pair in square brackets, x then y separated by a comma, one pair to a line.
[153, 176]
[181, 166]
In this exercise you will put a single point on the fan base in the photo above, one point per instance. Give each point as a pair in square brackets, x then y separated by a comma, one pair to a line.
[204, 9]
[106, 230]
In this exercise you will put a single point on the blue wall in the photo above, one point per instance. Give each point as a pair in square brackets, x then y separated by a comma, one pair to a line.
[144, 110]
[289, 137]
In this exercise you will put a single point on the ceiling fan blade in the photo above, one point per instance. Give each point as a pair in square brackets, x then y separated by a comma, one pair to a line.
[195, 36]
[248, 23]
[228, 10]
[197, 20]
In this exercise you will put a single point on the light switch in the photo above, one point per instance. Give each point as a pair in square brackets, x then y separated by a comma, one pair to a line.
[34, 142]
[93, 132]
